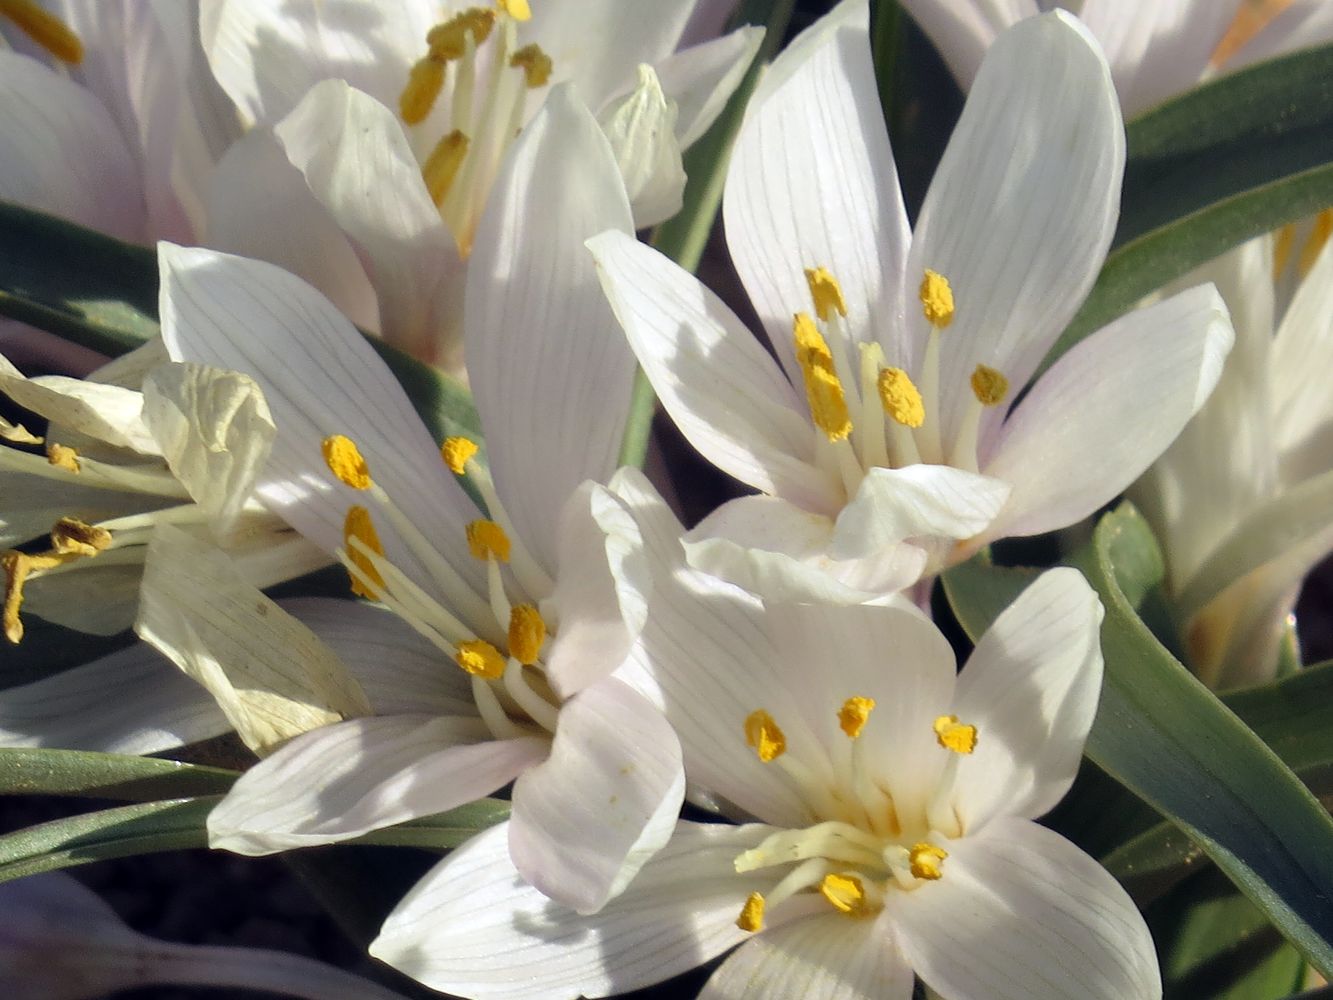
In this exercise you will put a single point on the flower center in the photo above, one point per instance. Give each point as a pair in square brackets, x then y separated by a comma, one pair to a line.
[497, 642]
[861, 848]
[491, 80]
[867, 413]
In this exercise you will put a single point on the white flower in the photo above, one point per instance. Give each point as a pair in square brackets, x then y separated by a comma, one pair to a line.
[885, 444]
[1243, 501]
[1156, 49]
[398, 116]
[537, 601]
[894, 798]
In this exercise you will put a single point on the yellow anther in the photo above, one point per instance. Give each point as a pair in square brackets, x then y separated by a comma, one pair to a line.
[752, 914]
[900, 398]
[517, 9]
[441, 166]
[846, 894]
[535, 63]
[448, 40]
[954, 735]
[358, 525]
[936, 299]
[823, 390]
[487, 540]
[480, 659]
[16, 567]
[825, 292]
[344, 460]
[527, 632]
[424, 83]
[1314, 243]
[70, 536]
[925, 860]
[764, 736]
[988, 385]
[456, 451]
[63, 457]
[45, 29]
[853, 715]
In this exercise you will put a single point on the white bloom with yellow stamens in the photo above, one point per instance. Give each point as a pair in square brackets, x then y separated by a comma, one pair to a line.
[894, 800]
[398, 117]
[535, 600]
[889, 439]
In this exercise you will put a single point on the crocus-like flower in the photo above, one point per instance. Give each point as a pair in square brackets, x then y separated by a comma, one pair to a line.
[1155, 49]
[537, 600]
[894, 801]
[885, 443]
[399, 115]
[1243, 501]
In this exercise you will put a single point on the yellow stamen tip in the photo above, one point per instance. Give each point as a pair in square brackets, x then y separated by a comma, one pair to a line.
[825, 292]
[487, 540]
[1314, 243]
[448, 41]
[16, 566]
[424, 83]
[535, 63]
[517, 9]
[937, 299]
[845, 893]
[442, 165]
[480, 659]
[764, 736]
[358, 525]
[751, 919]
[954, 735]
[900, 397]
[45, 29]
[926, 861]
[63, 457]
[344, 460]
[70, 536]
[527, 632]
[853, 715]
[823, 390]
[989, 386]
[456, 451]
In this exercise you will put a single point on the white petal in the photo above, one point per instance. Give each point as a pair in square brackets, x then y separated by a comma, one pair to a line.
[601, 591]
[614, 774]
[272, 677]
[812, 183]
[822, 957]
[1106, 410]
[1304, 348]
[473, 927]
[131, 702]
[357, 161]
[701, 79]
[106, 413]
[344, 780]
[963, 30]
[215, 432]
[549, 368]
[722, 389]
[1031, 688]
[1021, 912]
[641, 127]
[1018, 231]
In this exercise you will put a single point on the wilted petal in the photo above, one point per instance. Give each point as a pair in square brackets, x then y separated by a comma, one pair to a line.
[701, 79]
[642, 130]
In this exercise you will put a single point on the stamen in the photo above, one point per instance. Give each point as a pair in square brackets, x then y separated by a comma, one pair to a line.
[989, 386]
[492, 712]
[535, 63]
[424, 82]
[830, 839]
[527, 632]
[764, 736]
[825, 292]
[16, 567]
[538, 709]
[936, 299]
[926, 860]
[900, 398]
[871, 440]
[487, 540]
[456, 451]
[345, 461]
[62, 457]
[358, 525]
[517, 9]
[441, 167]
[846, 894]
[45, 29]
[1319, 234]
[823, 390]
[480, 659]
[954, 735]
[752, 914]
[447, 41]
[405, 598]
[70, 536]
[853, 715]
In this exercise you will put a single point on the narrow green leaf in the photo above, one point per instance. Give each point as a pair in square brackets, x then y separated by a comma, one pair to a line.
[445, 830]
[1156, 861]
[27, 771]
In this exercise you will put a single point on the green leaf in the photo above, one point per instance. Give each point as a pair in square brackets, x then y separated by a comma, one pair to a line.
[1225, 162]
[1169, 740]
[26, 771]
[445, 830]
